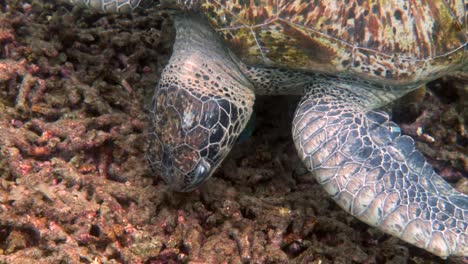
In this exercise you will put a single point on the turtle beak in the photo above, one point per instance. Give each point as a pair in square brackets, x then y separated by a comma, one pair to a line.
[201, 173]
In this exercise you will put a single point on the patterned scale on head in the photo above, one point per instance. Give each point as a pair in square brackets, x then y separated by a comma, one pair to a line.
[345, 58]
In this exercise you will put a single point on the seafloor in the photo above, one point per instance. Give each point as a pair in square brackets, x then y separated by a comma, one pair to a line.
[75, 186]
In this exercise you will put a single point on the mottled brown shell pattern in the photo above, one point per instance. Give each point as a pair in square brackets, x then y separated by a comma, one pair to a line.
[390, 41]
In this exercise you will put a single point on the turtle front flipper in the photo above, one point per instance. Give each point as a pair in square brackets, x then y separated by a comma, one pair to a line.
[200, 106]
[376, 174]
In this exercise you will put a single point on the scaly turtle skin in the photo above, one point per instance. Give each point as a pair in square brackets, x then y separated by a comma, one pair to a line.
[346, 58]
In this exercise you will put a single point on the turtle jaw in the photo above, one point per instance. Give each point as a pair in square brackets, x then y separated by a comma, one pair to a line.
[187, 182]
[181, 168]
[180, 181]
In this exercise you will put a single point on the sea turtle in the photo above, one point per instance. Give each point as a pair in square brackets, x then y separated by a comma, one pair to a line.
[346, 58]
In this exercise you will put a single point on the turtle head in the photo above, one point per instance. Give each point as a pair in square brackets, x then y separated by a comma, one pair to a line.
[202, 103]
[191, 135]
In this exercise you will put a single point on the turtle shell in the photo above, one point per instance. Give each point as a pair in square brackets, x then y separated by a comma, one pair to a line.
[389, 41]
